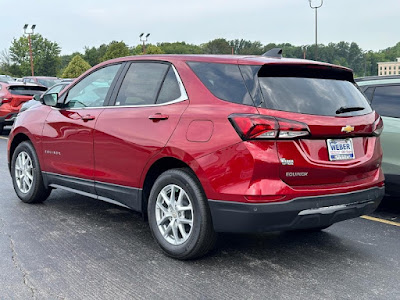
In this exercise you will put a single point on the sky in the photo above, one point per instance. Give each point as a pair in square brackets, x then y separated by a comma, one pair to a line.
[73, 24]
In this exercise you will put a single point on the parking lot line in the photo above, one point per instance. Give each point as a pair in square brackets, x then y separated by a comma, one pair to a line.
[3, 138]
[381, 220]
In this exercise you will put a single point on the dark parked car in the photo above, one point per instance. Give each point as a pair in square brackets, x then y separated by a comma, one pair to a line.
[384, 94]
[206, 144]
[12, 96]
[42, 80]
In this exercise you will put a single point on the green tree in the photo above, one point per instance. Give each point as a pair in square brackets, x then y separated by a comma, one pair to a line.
[115, 50]
[95, 55]
[76, 67]
[217, 46]
[246, 47]
[179, 48]
[150, 49]
[45, 55]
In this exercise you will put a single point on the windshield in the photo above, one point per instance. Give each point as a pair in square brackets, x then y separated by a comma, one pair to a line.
[47, 82]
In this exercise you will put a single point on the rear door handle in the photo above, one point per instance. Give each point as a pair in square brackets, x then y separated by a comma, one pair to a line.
[88, 118]
[158, 117]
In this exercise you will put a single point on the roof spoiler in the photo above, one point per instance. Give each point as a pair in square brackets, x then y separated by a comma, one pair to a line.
[275, 52]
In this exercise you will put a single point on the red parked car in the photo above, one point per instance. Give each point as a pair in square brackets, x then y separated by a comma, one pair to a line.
[207, 144]
[12, 96]
[46, 81]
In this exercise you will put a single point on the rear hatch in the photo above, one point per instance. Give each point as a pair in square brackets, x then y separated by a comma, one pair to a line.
[325, 129]
[23, 92]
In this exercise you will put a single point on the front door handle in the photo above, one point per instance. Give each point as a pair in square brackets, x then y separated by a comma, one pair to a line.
[158, 117]
[88, 118]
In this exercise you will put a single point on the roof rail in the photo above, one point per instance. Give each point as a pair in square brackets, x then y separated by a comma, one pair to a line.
[274, 52]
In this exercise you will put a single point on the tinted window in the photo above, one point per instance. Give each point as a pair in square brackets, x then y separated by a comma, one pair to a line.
[312, 95]
[26, 90]
[141, 84]
[368, 93]
[47, 82]
[92, 90]
[386, 101]
[170, 89]
[56, 89]
[223, 80]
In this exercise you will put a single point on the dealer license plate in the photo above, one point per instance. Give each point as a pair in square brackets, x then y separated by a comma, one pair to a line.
[340, 149]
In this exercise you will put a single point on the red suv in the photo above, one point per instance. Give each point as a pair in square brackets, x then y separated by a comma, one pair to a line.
[206, 144]
[12, 96]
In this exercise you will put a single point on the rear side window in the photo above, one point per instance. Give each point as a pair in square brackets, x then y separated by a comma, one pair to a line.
[386, 101]
[170, 90]
[223, 81]
[26, 90]
[141, 84]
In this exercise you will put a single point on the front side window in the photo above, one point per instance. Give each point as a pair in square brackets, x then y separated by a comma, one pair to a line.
[386, 101]
[142, 84]
[92, 90]
[56, 89]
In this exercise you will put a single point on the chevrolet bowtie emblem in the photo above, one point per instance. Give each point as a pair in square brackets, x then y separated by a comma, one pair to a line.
[348, 129]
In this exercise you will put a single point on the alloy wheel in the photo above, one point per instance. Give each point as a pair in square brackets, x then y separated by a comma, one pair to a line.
[174, 214]
[24, 172]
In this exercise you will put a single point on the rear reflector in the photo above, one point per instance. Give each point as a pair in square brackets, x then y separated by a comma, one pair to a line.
[250, 126]
[5, 100]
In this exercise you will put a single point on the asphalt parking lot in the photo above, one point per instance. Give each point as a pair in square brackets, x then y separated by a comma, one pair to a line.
[73, 247]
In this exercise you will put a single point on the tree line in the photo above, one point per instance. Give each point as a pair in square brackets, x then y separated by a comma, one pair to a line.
[15, 61]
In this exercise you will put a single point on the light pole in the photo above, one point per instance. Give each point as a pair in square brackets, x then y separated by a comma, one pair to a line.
[304, 49]
[30, 43]
[365, 62]
[144, 40]
[315, 7]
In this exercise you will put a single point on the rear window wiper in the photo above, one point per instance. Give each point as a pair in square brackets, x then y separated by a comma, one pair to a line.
[345, 109]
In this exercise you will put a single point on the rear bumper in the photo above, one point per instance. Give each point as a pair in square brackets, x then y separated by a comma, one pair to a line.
[299, 213]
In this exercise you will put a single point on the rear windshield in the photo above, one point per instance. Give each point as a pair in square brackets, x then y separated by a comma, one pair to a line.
[306, 89]
[311, 90]
[48, 82]
[26, 90]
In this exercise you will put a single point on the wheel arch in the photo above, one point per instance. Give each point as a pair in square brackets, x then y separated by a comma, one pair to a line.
[157, 168]
[18, 139]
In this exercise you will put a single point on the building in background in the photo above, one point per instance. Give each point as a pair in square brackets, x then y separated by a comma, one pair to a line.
[389, 68]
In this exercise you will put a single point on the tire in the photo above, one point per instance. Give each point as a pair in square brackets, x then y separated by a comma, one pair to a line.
[185, 231]
[313, 229]
[27, 176]
[1, 128]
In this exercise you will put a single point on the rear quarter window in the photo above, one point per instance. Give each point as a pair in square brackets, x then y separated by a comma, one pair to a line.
[224, 81]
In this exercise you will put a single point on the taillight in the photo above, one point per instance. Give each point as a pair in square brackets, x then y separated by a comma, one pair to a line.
[377, 127]
[5, 99]
[250, 127]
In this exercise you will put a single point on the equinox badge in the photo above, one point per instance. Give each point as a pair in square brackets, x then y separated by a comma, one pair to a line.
[347, 129]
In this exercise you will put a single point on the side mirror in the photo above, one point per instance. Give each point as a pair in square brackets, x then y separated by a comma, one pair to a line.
[49, 99]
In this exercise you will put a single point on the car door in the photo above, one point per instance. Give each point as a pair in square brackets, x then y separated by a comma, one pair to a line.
[386, 101]
[68, 131]
[146, 110]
